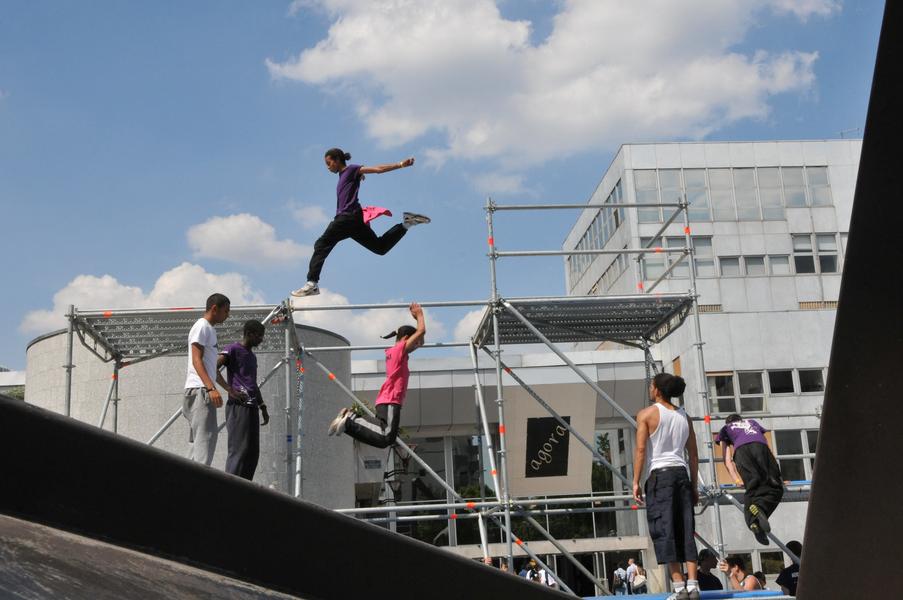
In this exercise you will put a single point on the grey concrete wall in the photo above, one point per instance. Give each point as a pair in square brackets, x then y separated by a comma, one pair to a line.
[151, 392]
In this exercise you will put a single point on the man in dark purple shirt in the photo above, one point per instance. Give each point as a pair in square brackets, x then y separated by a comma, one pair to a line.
[245, 404]
[350, 221]
[749, 461]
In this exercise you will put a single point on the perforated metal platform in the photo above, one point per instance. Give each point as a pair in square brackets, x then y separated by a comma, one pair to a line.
[628, 319]
[134, 334]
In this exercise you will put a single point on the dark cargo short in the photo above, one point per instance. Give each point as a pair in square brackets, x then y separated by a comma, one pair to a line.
[669, 511]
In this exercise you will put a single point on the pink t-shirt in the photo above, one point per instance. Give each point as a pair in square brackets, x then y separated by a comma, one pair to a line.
[396, 384]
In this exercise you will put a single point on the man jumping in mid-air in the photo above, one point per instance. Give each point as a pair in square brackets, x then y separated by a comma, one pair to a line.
[350, 220]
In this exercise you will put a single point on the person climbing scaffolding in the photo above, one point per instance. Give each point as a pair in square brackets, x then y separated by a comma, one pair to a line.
[749, 460]
[383, 431]
[351, 220]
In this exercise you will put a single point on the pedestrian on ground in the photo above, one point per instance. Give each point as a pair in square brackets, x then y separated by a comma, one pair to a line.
[737, 576]
[789, 576]
[201, 397]
[382, 432]
[707, 579]
[619, 580]
[531, 573]
[667, 457]
[245, 405]
[639, 581]
[631, 573]
[745, 449]
[351, 220]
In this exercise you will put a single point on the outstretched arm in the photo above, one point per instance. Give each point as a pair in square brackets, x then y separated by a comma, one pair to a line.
[408, 162]
[416, 338]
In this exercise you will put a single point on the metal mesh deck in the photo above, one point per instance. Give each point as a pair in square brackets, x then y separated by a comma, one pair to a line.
[628, 319]
[132, 334]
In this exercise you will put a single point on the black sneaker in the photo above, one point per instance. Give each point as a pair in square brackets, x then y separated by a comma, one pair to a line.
[760, 535]
[411, 219]
[759, 518]
[693, 594]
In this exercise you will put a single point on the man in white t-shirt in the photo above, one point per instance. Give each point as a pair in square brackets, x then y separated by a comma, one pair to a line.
[631, 573]
[201, 396]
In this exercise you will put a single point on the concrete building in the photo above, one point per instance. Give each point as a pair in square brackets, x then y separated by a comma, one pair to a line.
[769, 223]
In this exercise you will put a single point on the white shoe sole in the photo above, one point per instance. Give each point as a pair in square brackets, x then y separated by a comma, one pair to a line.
[301, 293]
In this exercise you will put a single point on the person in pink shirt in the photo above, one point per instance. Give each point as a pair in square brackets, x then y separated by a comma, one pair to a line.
[382, 432]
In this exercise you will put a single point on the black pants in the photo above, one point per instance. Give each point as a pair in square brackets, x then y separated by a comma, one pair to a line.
[761, 477]
[380, 433]
[669, 512]
[243, 426]
[351, 226]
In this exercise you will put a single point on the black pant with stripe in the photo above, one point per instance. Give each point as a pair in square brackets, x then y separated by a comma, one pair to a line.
[352, 226]
[761, 478]
[380, 432]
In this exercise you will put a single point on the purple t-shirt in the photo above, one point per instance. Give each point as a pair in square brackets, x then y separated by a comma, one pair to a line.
[346, 190]
[241, 371]
[744, 431]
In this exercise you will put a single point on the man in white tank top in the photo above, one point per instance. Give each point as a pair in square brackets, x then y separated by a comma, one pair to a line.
[665, 467]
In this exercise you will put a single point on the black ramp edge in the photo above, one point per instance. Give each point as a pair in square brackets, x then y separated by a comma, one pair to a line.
[855, 507]
[75, 477]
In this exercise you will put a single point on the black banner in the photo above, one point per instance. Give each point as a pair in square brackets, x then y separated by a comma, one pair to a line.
[547, 447]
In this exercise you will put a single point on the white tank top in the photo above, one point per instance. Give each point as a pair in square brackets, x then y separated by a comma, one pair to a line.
[669, 440]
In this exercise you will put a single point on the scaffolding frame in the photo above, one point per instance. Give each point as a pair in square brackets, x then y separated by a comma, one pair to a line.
[639, 321]
[126, 337]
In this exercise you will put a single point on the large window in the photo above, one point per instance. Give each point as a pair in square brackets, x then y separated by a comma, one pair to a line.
[741, 392]
[655, 263]
[819, 190]
[770, 193]
[815, 253]
[697, 197]
[599, 232]
[745, 194]
[721, 188]
[795, 450]
[646, 183]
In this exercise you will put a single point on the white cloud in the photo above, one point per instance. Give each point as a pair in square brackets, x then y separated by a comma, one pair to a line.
[501, 184]
[309, 216]
[184, 285]
[608, 72]
[361, 327]
[468, 324]
[244, 239]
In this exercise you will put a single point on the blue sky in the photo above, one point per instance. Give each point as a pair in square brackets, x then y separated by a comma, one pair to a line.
[151, 152]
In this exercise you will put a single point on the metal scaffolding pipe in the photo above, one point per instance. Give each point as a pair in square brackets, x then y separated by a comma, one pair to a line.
[500, 253]
[467, 516]
[237, 310]
[384, 347]
[499, 399]
[106, 404]
[166, 426]
[569, 363]
[67, 409]
[473, 505]
[702, 391]
[496, 207]
[374, 306]
[493, 470]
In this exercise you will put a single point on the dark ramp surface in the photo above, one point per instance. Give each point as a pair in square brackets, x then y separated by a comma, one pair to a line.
[855, 506]
[39, 562]
[75, 477]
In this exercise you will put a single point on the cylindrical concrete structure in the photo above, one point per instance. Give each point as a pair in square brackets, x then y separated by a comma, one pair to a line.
[151, 392]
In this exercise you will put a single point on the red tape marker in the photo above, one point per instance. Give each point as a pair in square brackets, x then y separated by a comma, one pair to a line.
[107, 314]
[707, 418]
[453, 516]
[491, 241]
[501, 430]
[687, 230]
[332, 376]
[471, 505]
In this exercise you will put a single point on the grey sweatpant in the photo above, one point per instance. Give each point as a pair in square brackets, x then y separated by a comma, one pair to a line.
[201, 417]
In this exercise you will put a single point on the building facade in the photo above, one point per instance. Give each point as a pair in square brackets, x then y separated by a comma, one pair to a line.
[768, 223]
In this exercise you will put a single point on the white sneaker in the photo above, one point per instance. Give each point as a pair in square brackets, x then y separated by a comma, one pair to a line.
[310, 289]
[338, 424]
[411, 219]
